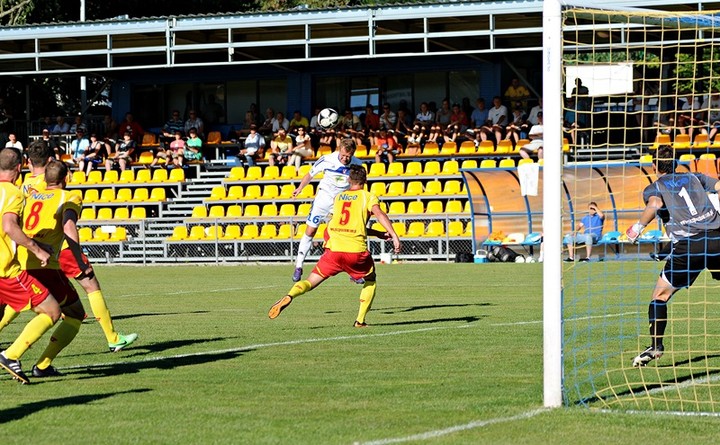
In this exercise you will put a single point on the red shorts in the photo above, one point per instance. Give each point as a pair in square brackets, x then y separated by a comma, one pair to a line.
[357, 264]
[22, 292]
[58, 285]
[69, 265]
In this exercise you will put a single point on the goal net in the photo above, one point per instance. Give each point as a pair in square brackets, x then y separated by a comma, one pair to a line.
[634, 80]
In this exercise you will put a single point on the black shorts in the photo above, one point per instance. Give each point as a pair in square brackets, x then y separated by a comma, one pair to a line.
[690, 256]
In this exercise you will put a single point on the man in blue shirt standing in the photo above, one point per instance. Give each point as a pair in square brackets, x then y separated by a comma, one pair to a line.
[588, 231]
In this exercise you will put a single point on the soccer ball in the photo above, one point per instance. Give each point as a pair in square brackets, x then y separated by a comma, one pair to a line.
[328, 118]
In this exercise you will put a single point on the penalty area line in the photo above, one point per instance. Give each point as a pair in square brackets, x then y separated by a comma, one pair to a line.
[269, 345]
[457, 428]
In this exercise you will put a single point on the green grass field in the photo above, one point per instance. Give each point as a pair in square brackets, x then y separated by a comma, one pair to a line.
[453, 356]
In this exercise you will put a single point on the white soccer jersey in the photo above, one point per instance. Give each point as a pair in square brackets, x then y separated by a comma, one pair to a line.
[336, 173]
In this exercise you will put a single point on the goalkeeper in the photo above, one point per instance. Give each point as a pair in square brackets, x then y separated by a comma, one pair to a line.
[694, 227]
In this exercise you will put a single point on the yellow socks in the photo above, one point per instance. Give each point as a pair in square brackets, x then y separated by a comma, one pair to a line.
[102, 315]
[63, 335]
[35, 329]
[8, 317]
[366, 298]
[300, 288]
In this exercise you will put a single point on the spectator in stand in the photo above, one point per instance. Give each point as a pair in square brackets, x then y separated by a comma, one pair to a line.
[47, 124]
[61, 127]
[110, 128]
[591, 227]
[435, 134]
[350, 124]
[517, 92]
[280, 121]
[123, 154]
[52, 144]
[13, 142]
[297, 121]
[711, 107]
[387, 146]
[404, 124]
[249, 120]
[131, 126]
[266, 128]
[78, 148]
[195, 122]
[371, 122]
[253, 147]
[497, 121]
[570, 120]
[78, 124]
[458, 119]
[479, 116]
[258, 118]
[414, 141]
[444, 114]
[388, 118]
[425, 117]
[536, 140]
[302, 148]
[171, 127]
[172, 153]
[193, 147]
[94, 154]
[690, 121]
[534, 111]
[517, 127]
[281, 148]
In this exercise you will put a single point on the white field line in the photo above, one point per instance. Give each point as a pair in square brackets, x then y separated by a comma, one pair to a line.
[590, 317]
[657, 413]
[454, 429]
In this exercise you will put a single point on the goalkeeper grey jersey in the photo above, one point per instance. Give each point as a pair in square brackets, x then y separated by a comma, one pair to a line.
[686, 200]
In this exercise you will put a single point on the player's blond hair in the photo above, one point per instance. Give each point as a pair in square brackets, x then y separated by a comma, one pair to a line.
[348, 145]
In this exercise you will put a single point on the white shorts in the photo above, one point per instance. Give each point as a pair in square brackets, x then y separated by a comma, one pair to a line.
[534, 145]
[321, 208]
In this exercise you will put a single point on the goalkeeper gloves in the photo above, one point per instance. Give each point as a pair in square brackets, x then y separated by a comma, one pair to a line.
[634, 231]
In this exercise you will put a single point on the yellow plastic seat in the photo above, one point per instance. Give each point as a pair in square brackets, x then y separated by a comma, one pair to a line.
[286, 191]
[709, 156]
[107, 195]
[120, 234]
[78, 177]
[269, 210]
[413, 168]
[377, 169]
[396, 188]
[138, 213]
[435, 229]
[141, 195]
[681, 142]
[235, 192]
[520, 143]
[196, 233]
[214, 138]
[287, 210]
[432, 168]
[217, 192]
[455, 229]
[469, 163]
[485, 147]
[304, 170]
[415, 229]
[530, 161]
[111, 177]
[431, 149]
[87, 214]
[307, 192]
[395, 169]
[236, 174]
[268, 231]
[448, 148]
[176, 175]
[216, 211]
[451, 187]
[396, 208]
[159, 175]
[158, 194]
[361, 151]
[126, 177]
[232, 232]
[214, 232]
[433, 188]
[234, 211]
[504, 146]
[94, 177]
[253, 173]
[300, 231]
[253, 191]
[467, 148]
[415, 208]
[271, 172]
[288, 172]
[661, 139]
[507, 163]
[143, 176]
[251, 210]
[270, 191]
[488, 163]
[199, 212]
[320, 234]
[701, 141]
[179, 233]
[100, 235]
[400, 228]
[434, 207]
[451, 167]
[377, 188]
[304, 209]
[250, 231]
[105, 213]
[145, 157]
[124, 195]
[454, 207]
[85, 234]
[285, 231]
[414, 188]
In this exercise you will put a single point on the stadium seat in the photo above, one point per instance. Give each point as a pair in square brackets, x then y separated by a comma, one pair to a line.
[304, 170]
[286, 191]
[94, 177]
[157, 194]
[145, 157]
[235, 192]
[469, 163]
[435, 229]
[214, 232]
[251, 210]
[416, 208]
[413, 168]
[250, 231]
[236, 174]
[451, 187]
[124, 195]
[141, 195]
[454, 207]
[218, 192]
[400, 228]
[708, 156]
[253, 192]
[661, 139]
[271, 172]
[99, 234]
[196, 233]
[104, 213]
[232, 232]
[119, 235]
[432, 168]
[285, 231]
[269, 210]
[87, 214]
[176, 175]
[377, 188]
[287, 210]
[111, 177]
[143, 176]
[179, 233]
[688, 159]
[415, 229]
[434, 207]
[304, 209]
[376, 169]
[565, 145]
[504, 146]
[467, 148]
[450, 167]
[372, 151]
[216, 211]
[85, 234]
[253, 173]
[646, 160]
[268, 231]
[395, 169]
[300, 231]
[507, 163]
[320, 233]
[433, 188]
[466, 207]
[126, 176]
[431, 149]
[107, 195]
[520, 143]
[488, 163]
[681, 142]
[214, 138]
[234, 211]
[78, 177]
[455, 229]
[307, 192]
[485, 148]
[396, 188]
[138, 213]
[701, 141]
[270, 191]
[707, 166]
[159, 175]
[199, 212]
[396, 208]
[448, 148]
[414, 188]
[288, 172]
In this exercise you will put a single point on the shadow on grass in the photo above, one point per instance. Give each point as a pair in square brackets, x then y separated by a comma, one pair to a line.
[395, 310]
[26, 409]
[139, 348]
[163, 363]
[468, 319]
[155, 314]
